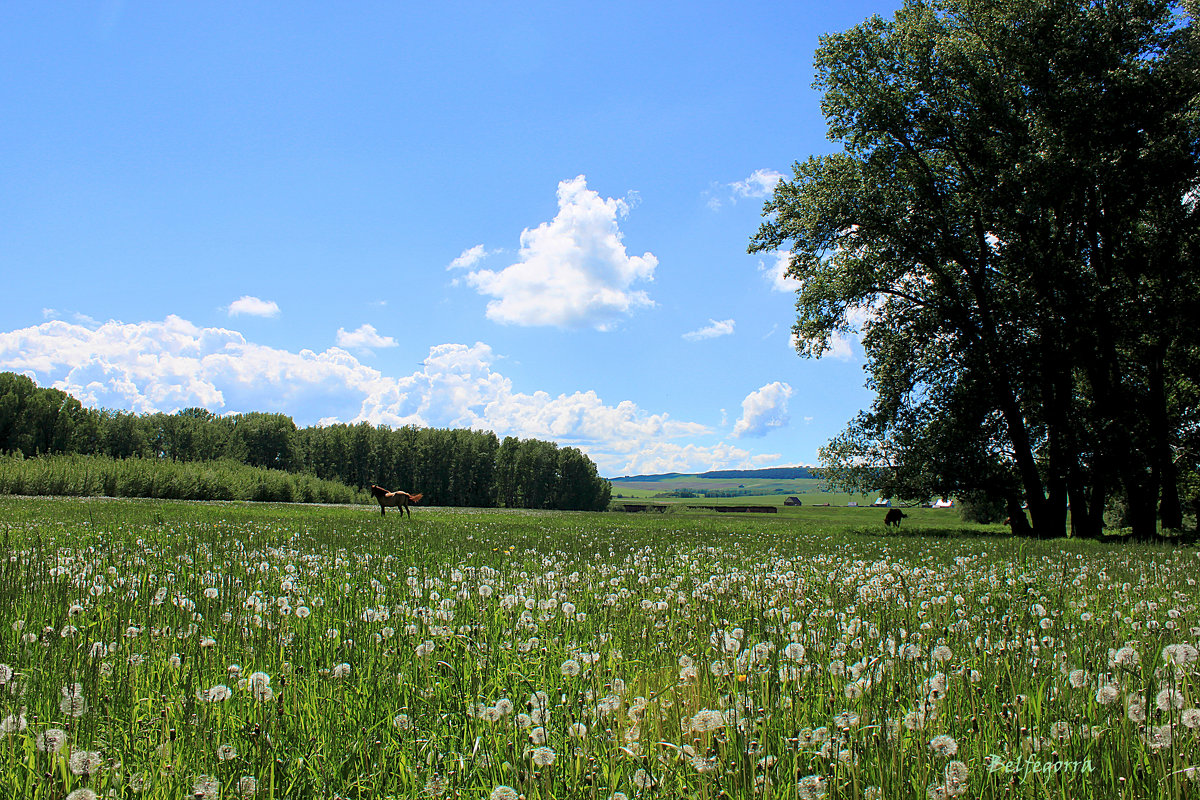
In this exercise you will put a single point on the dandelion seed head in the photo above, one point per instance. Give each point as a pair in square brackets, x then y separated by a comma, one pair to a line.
[85, 762]
[51, 740]
[1169, 699]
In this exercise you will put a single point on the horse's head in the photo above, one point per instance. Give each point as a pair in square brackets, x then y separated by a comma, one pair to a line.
[377, 491]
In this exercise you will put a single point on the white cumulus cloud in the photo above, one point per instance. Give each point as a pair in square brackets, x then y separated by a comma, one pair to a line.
[469, 257]
[760, 183]
[571, 272]
[764, 409]
[253, 306]
[364, 338]
[776, 272]
[711, 331]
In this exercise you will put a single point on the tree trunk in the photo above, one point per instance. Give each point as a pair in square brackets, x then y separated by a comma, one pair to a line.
[1160, 432]
[1087, 508]
[1142, 498]
[1054, 515]
[1031, 479]
[1018, 523]
[1171, 509]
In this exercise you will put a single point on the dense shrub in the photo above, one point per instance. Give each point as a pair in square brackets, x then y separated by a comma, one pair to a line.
[982, 508]
[84, 476]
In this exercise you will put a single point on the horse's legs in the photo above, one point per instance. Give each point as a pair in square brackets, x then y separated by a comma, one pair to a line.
[382, 509]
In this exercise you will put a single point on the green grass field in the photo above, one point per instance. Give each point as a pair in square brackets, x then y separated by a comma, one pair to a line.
[762, 491]
[162, 649]
[697, 483]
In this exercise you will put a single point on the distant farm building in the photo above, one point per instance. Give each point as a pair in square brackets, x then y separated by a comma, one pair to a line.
[792, 501]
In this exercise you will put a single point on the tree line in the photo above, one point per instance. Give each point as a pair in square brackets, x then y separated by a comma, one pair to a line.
[1013, 224]
[452, 467]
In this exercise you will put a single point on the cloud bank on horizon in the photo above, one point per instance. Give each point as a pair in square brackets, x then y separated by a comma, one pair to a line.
[172, 364]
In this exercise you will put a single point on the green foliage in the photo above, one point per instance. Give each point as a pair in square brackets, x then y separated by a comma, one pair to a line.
[34, 420]
[1012, 223]
[89, 476]
[979, 507]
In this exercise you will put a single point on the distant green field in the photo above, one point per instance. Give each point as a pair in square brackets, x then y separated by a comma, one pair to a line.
[763, 491]
[696, 483]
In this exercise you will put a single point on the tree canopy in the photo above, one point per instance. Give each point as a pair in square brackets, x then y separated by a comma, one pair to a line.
[450, 467]
[1012, 223]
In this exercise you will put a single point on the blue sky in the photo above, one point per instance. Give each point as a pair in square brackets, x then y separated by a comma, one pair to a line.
[530, 218]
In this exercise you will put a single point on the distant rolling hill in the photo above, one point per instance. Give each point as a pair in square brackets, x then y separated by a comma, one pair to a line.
[737, 482]
[771, 473]
[770, 486]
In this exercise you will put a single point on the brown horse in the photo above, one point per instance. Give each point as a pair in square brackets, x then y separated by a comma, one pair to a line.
[399, 500]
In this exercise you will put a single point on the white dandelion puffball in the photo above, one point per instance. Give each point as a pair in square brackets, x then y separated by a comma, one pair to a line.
[543, 756]
[73, 706]
[1169, 700]
[707, 720]
[51, 740]
[15, 723]
[1178, 654]
[1126, 657]
[206, 788]
[85, 762]
[218, 694]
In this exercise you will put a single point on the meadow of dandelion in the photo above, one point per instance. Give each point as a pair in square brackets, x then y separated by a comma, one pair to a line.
[159, 649]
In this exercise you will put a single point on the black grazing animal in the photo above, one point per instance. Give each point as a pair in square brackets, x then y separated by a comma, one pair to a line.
[893, 517]
[399, 500]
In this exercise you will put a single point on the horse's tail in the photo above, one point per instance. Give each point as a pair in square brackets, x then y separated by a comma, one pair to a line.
[415, 498]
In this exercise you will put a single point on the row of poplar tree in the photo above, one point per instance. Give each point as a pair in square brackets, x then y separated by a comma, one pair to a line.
[456, 467]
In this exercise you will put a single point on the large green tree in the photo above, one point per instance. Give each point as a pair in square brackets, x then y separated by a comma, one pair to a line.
[37, 420]
[1012, 220]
